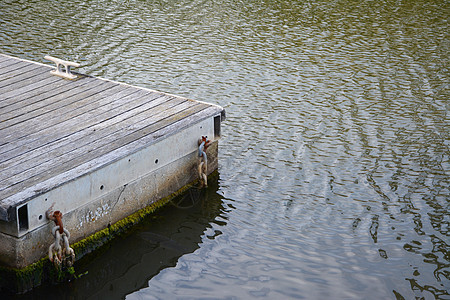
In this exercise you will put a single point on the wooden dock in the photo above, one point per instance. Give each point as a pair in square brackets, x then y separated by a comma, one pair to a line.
[85, 144]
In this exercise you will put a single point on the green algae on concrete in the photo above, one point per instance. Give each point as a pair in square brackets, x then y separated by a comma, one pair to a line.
[16, 281]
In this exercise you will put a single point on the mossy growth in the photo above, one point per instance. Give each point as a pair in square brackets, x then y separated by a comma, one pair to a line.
[14, 281]
[101, 237]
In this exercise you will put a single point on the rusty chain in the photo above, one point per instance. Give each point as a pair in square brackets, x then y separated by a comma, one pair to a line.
[204, 143]
[60, 255]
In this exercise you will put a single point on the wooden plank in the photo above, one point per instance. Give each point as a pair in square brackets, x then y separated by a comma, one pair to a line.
[49, 136]
[45, 81]
[68, 127]
[107, 140]
[96, 140]
[7, 62]
[84, 152]
[57, 131]
[21, 87]
[16, 100]
[12, 83]
[65, 109]
[3, 58]
[87, 135]
[13, 197]
[14, 65]
[50, 170]
[174, 125]
[52, 131]
[46, 107]
[132, 105]
[22, 81]
[54, 108]
[16, 69]
[36, 99]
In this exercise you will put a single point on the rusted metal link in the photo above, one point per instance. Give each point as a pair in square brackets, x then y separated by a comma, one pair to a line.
[58, 220]
[55, 251]
[56, 216]
[204, 143]
[56, 254]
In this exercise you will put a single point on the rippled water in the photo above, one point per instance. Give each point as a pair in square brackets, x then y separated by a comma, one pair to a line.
[334, 160]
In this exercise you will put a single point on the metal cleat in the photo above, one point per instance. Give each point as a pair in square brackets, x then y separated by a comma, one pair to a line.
[65, 73]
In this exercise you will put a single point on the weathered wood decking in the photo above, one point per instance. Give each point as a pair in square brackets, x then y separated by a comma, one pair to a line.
[54, 130]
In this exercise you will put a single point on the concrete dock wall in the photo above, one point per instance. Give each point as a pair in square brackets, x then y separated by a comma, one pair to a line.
[107, 195]
[98, 151]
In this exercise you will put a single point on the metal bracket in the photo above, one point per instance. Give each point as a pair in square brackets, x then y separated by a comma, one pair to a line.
[59, 67]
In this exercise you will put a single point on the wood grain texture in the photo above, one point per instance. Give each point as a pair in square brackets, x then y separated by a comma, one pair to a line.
[52, 129]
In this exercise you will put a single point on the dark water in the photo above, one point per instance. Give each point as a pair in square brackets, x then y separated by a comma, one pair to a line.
[334, 159]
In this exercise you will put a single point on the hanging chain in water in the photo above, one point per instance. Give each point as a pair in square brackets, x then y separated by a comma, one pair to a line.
[60, 255]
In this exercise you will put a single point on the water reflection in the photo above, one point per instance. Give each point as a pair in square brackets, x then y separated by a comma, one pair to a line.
[127, 263]
[335, 152]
